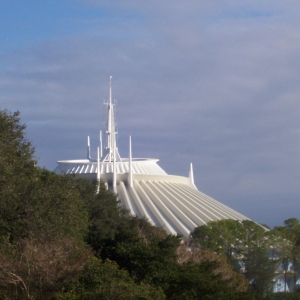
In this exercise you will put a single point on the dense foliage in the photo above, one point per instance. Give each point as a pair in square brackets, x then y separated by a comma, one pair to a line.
[245, 245]
[60, 239]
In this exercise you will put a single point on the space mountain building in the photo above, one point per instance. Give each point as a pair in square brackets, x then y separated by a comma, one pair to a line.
[144, 188]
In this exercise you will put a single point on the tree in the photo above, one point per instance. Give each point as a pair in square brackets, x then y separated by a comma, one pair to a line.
[16, 170]
[151, 257]
[201, 281]
[224, 237]
[38, 270]
[289, 246]
[145, 251]
[106, 215]
[51, 206]
[35, 202]
[43, 218]
[259, 267]
[245, 244]
[104, 280]
[189, 252]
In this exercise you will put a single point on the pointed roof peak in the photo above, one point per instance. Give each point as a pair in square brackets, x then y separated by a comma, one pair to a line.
[111, 149]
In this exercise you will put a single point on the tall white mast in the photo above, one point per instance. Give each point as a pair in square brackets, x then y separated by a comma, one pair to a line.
[98, 170]
[130, 181]
[111, 150]
[100, 144]
[88, 148]
[114, 172]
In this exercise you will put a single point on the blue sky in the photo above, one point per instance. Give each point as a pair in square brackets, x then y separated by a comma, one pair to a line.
[23, 24]
[215, 83]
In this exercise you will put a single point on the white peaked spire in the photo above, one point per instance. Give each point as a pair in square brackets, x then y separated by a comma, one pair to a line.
[130, 165]
[191, 174]
[111, 149]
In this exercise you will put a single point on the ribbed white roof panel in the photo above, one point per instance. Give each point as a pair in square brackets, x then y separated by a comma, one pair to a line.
[85, 166]
[177, 207]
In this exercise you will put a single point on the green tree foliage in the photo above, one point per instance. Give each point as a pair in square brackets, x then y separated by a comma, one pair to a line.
[224, 237]
[43, 218]
[201, 281]
[145, 251]
[259, 266]
[187, 252]
[16, 152]
[283, 296]
[106, 281]
[34, 202]
[16, 169]
[246, 246]
[106, 215]
[289, 244]
[151, 257]
[259, 269]
[49, 207]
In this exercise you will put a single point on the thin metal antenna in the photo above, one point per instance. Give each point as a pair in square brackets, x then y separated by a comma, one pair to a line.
[88, 148]
[110, 91]
[114, 170]
[109, 123]
[100, 144]
[98, 170]
[130, 164]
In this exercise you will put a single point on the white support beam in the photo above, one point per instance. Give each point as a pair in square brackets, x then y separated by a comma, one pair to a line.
[164, 208]
[101, 144]
[88, 148]
[98, 164]
[180, 202]
[173, 206]
[130, 182]
[139, 204]
[125, 197]
[154, 210]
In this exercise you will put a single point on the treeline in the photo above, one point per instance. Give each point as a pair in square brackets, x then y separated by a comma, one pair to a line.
[59, 239]
[260, 254]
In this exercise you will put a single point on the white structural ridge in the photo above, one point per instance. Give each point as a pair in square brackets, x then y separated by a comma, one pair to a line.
[144, 188]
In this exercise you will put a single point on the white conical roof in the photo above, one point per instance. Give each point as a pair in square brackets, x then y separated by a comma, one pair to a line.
[145, 189]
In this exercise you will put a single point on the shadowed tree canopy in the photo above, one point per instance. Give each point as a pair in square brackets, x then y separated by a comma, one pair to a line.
[16, 172]
[35, 202]
[106, 215]
[104, 280]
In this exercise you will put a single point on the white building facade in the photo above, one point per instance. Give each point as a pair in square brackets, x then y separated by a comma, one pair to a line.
[144, 188]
